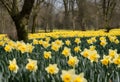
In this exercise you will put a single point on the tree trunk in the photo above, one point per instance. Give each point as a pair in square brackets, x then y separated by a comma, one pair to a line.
[21, 27]
[34, 24]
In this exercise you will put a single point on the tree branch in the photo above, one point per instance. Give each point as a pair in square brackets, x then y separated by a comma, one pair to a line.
[7, 6]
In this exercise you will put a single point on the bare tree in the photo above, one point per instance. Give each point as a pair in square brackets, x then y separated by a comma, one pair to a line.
[20, 15]
[108, 7]
[72, 9]
[66, 13]
[47, 15]
[34, 14]
[81, 13]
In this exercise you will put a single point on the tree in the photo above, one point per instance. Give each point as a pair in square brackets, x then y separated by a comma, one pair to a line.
[108, 7]
[35, 10]
[81, 13]
[72, 9]
[66, 13]
[47, 14]
[20, 15]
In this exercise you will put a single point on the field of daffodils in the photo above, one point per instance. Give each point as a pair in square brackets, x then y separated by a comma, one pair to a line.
[62, 56]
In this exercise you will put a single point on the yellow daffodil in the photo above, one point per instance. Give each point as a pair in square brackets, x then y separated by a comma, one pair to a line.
[93, 56]
[67, 76]
[66, 52]
[67, 42]
[32, 65]
[92, 48]
[116, 41]
[40, 42]
[55, 47]
[79, 78]
[112, 38]
[73, 61]
[103, 43]
[112, 53]
[13, 66]
[45, 44]
[116, 60]
[47, 54]
[52, 69]
[106, 60]
[23, 48]
[59, 42]
[47, 39]
[30, 47]
[2, 43]
[8, 48]
[89, 41]
[35, 41]
[77, 49]
[77, 40]
[85, 53]
[93, 39]
[102, 38]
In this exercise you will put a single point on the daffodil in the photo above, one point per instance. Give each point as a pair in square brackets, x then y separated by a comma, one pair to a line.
[45, 44]
[67, 76]
[77, 40]
[55, 47]
[85, 53]
[92, 48]
[2, 43]
[32, 65]
[47, 54]
[23, 48]
[93, 39]
[116, 60]
[103, 43]
[112, 38]
[59, 42]
[30, 47]
[116, 41]
[93, 56]
[73, 61]
[67, 42]
[89, 41]
[8, 48]
[52, 69]
[106, 60]
[112, 53]
[79, 78]
[35, 41]
[40, 42]
[77, 49]
[13, 66]
[47, 39]
[66, 52]
[102, 38]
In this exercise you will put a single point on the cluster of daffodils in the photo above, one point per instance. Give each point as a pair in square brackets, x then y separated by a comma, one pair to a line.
[31, 65]
[91, 40]
[62, 58]
[56, 45]
[70, 76]
[112, 57]
[20, 46]
[66, 76]
[103, 41]
[113, 39]
[66, 33]
[91, 54]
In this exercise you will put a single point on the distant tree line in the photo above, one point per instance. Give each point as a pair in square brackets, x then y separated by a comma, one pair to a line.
[25, 16]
